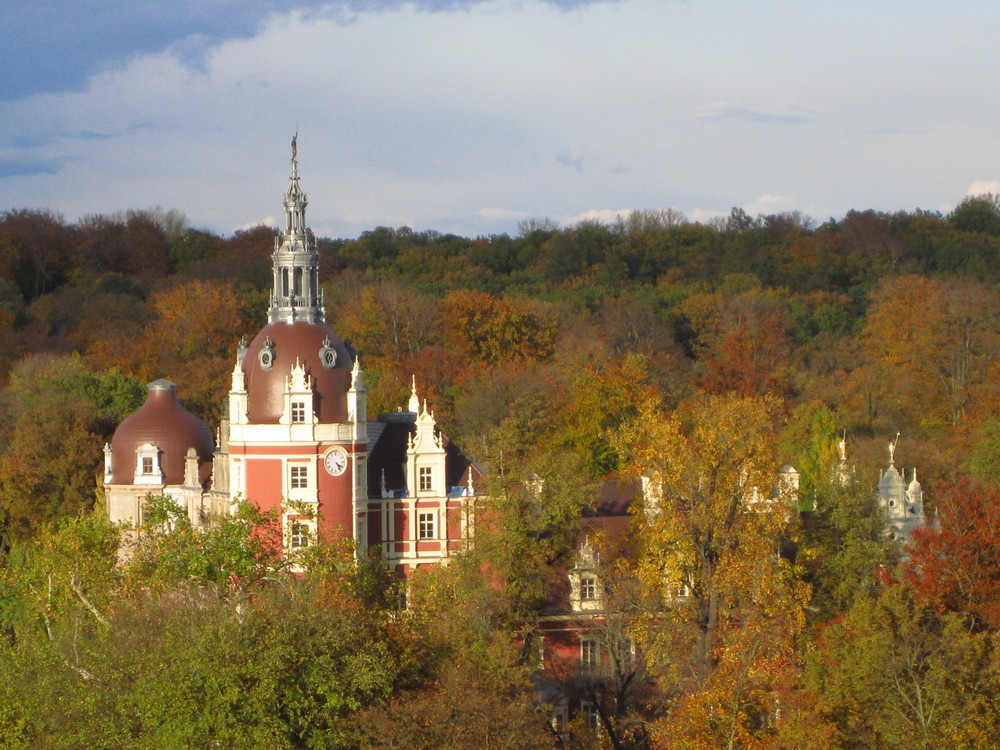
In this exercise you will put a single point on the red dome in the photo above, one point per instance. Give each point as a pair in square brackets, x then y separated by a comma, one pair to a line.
[302, 342]
[166, 424]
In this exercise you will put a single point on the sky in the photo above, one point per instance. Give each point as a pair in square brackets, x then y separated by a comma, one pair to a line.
[471, 116]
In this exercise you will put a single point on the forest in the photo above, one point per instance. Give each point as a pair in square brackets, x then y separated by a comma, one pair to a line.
[706, 355]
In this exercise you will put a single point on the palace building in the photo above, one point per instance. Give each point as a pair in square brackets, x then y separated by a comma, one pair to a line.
[297, 438]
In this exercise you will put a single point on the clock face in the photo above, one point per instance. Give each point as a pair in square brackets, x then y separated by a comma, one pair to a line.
[335, 462]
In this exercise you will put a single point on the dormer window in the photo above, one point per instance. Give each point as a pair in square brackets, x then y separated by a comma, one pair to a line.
[298, 411]
[587, 592]
[426, 479]
[147, 465]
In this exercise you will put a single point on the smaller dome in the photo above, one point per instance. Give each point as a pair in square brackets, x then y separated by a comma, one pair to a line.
[162, 421]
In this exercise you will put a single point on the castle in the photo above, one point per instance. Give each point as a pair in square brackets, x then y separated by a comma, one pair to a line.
[297, 439]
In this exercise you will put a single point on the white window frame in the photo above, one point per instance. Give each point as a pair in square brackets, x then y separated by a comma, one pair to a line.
[144, 472]
[588, 588]
[425, 476]
[298, 477]
[299, 534]
[426, 525]
[298, 412]
[591, 716]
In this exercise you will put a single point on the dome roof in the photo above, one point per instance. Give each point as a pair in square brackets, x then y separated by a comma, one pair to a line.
[166, 424]
[303, 342]
[891, 478]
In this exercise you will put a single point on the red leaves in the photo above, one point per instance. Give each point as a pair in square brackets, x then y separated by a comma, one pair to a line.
[955, 565]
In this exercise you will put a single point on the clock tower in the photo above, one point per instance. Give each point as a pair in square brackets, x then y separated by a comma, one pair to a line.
[296, 437]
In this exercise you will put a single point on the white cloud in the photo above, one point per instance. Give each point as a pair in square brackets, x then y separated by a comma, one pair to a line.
[419, 118]
[770, 203]
[267, 221]
[981, 187]
[706, 215]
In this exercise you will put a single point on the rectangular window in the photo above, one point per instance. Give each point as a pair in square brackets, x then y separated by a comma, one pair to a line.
[147, 464]
[588, 588]
[425, 479]
[425, 525]
[591, 717]
[298, 411]
[298, 536]
[299, 477]
[589, 653]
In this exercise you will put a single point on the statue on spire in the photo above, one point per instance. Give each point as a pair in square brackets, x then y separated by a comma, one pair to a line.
[295, 148]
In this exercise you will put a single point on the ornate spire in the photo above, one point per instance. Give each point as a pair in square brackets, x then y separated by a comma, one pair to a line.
[296, 294]
[414, 403]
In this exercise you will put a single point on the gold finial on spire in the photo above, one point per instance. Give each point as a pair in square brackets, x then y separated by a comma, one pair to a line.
[295, 147]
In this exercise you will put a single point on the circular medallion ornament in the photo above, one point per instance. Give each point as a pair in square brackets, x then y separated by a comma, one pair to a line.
[335, 461]
[328, 355]
[266, 354]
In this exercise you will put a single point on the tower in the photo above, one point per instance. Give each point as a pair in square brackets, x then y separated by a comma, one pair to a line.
[296, 436]
[297, 440]
[902, 502]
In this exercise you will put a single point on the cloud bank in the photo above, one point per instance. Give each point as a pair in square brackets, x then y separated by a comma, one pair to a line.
[468, 117]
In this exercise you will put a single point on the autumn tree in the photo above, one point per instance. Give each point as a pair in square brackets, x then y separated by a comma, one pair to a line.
[191, 639]
[602, 401]
[474, 688]
[190, 339]
[750, 348]
[940, 340]
[977, 213]
[711, 533]
[954, 565]
[60, 413]
[894, 673]
[35, 250]
[490, 330]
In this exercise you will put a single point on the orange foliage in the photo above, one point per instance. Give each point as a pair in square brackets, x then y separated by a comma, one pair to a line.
[955, 565]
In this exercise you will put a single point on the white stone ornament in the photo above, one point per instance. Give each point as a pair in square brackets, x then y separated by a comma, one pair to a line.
[328, 355]
[335, 462]
[266, 354]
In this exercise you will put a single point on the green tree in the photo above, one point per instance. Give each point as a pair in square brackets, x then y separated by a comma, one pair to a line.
[895, 674]
[60, 412]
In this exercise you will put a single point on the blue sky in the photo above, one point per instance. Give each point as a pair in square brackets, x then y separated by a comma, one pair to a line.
[469, 116]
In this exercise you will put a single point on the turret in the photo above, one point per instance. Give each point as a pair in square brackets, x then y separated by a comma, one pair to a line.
[296, 295]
